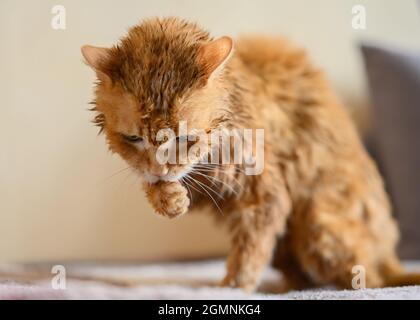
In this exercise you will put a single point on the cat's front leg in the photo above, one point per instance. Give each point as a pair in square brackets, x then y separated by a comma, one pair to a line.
[169, 199]
[251, 251]
[255, 229]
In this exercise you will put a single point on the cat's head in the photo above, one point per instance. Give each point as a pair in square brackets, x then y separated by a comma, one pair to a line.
[163, 72]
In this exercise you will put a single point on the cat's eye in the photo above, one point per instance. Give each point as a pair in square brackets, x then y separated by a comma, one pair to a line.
[181, 138]
[186, 138]
[132, 139]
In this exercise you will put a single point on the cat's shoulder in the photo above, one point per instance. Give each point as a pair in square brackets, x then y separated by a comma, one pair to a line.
[265, 50]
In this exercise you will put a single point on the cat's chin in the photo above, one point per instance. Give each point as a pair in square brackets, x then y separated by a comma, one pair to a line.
[152, 179]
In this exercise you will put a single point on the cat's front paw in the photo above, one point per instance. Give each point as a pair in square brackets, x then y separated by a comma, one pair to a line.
[235, 282]
[169, 199]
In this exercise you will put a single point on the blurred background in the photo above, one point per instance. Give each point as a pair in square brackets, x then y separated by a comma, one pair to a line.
[64, 197]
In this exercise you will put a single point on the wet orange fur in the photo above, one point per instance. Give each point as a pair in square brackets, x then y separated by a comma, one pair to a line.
[319, 193]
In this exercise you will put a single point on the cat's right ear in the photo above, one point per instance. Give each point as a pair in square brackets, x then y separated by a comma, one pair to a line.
[214, 55]
[94, 56]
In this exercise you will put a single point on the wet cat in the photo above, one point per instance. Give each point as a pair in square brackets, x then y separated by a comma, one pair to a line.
[319, 192]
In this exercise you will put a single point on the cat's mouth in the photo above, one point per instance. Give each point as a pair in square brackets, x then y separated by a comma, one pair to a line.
[151, 178]
[169, 177]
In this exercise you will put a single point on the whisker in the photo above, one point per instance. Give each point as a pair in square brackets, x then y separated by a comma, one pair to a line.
[218, 180]
[188, 188]
[137, 179]
[199, 191]
[219, 166]
[214, 201]
[208, 188]
[204, 175]
[116, 173]
[222, 171]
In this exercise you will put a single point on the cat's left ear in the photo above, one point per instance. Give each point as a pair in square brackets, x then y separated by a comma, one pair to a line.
[213, 56]
[94, 56]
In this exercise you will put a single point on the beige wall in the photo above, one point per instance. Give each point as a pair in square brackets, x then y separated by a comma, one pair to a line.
[57, 199]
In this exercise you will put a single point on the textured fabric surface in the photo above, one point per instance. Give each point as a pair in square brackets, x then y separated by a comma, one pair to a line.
[177, 281]
[394, 78]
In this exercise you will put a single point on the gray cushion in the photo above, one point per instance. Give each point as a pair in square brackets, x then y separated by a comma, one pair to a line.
[394, 79]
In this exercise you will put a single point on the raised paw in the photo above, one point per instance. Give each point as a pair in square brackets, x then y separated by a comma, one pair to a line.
[169, 199]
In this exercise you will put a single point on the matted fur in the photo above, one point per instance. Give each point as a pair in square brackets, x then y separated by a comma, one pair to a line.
[320, 194]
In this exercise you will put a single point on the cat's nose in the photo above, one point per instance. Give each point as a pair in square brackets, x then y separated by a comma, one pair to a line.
[159, 171]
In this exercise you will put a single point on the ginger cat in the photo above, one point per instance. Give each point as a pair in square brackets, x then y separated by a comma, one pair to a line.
[319, 193]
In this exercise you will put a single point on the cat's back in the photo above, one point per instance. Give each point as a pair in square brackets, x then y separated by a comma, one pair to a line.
[273, 59]
[282, 74]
